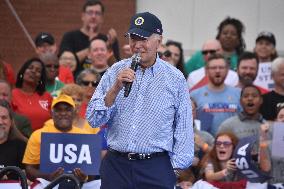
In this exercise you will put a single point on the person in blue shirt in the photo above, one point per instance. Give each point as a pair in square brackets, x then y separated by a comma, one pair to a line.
[150, 133]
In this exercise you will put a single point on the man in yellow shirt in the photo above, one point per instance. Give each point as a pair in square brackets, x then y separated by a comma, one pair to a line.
[63, 112]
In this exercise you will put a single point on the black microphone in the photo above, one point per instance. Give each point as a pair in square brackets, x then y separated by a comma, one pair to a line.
[136, 58]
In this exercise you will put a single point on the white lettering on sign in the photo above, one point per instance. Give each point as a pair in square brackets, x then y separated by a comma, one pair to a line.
[250, 173]
[52, 154]
[70, 153]
[70, 150]
[242, 163]
[243, 150]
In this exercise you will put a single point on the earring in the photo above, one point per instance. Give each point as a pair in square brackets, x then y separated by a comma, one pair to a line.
[21, 76]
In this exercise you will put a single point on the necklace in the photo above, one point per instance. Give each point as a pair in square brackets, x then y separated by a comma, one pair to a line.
[28, 96]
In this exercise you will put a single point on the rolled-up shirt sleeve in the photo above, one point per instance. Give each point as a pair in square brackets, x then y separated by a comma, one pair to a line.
[97, 112]
[183, 148]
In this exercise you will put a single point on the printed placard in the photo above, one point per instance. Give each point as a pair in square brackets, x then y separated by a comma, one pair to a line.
[246, 166]
[278, 140]
[70, 151]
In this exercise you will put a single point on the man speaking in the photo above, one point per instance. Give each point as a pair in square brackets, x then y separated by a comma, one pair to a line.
[150, 135]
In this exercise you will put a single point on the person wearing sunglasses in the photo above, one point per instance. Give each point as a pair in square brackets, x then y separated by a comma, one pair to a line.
[53, 84]
[176, 52]
[199, 59]
[197, 77]
[88, 79]
[218, 164]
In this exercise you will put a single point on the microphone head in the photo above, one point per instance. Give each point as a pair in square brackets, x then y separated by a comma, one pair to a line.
[136, 57]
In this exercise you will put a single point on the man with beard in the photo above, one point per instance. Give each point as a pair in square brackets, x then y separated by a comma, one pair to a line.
[217, 98]
[247, 68]
[197, 77]
[12, 149]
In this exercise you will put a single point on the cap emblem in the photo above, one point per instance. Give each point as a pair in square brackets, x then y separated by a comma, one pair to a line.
[44, 36]
[139, 21]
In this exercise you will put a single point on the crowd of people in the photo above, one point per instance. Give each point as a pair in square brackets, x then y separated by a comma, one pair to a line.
[234, 94]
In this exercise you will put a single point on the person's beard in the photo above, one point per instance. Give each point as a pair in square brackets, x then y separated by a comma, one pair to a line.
[217, 81]
[246, 79]
[3, 134]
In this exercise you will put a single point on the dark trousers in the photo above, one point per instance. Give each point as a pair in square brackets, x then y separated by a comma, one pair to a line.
[120, 173]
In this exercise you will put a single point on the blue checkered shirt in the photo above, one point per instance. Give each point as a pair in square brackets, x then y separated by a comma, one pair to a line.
[155, 117]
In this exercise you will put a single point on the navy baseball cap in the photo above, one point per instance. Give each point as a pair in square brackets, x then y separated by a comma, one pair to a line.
[267, 36]
[144, 25]
[44, 37]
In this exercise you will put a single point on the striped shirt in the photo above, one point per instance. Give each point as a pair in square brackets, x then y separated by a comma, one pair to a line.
[155, 117]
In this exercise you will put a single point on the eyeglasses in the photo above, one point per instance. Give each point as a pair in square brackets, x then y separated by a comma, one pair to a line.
[226, 144]
[93, 13]
[56, 66]
[212, 51]
[87, 83]
[167, 54]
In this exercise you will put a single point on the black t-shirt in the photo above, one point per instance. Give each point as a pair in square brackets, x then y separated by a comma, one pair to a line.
[11, 154]
[269, 105]
[76, 41]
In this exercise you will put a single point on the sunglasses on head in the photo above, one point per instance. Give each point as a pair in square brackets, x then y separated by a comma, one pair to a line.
[225, 143]
[205, 52]
[52, 66]
[280, 105]
[167, 54]
[87, 83]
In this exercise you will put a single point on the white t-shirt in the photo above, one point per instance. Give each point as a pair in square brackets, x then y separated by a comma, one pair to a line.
[194, 77]
[263, 78]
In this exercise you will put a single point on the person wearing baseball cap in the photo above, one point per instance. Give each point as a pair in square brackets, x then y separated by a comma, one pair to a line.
[148, 113]
[63, 112]
[265, 46]
[45, 47]
[265, 49]
[45, 42]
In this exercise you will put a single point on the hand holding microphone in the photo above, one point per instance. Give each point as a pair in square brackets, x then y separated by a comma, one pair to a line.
[136, 58]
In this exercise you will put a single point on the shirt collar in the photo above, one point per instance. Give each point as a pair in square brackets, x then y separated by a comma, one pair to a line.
[243, 116]
[154, 69]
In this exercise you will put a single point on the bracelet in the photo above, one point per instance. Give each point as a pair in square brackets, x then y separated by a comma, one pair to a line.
[205, 147]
